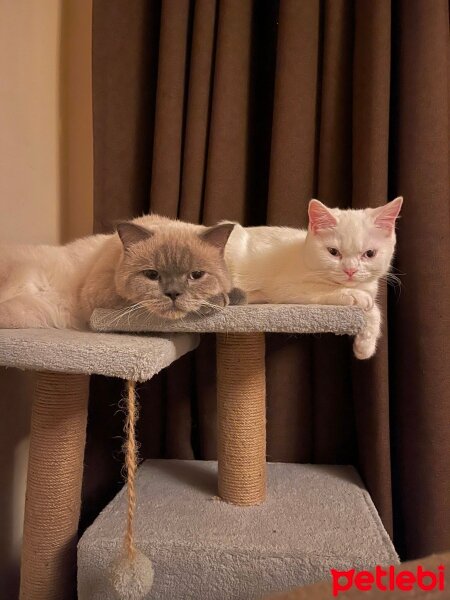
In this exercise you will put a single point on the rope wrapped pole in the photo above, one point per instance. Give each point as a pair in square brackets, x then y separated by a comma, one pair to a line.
[241, 417]
[55, 469]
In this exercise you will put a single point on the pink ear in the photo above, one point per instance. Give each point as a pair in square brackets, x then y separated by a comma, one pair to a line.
[385, 216]
[320, 217]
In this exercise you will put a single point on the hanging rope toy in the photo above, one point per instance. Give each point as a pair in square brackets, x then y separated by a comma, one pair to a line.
[132, 576]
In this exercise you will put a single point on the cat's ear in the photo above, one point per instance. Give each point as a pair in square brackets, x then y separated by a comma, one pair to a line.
[320, 217]
[130, 233]
[218, 235]
[385, 216]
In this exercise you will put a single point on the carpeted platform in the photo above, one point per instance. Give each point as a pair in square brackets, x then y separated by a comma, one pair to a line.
[315, 518]
[281, 318]
[63, 350]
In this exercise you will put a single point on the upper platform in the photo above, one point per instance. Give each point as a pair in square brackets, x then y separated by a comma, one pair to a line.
[140, 357]
[271, 318]
[135, 357]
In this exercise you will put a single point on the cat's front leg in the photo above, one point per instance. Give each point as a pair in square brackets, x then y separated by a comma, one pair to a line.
[365, 343]
[347, 297]
[359, 298]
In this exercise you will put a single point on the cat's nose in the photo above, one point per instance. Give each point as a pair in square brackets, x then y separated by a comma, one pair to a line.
[350, 272]
[172, 294]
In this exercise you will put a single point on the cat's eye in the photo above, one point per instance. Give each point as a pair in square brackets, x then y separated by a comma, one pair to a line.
[196, 274]
[152, 274]
[334, 251]
[369, 253]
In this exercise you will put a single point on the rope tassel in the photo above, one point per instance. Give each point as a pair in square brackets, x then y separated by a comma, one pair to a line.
[132, 575]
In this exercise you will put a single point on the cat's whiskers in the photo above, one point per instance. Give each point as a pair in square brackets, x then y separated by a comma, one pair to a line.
[216, 307]
[137, 313]
[394, 281]
[127, 310]
[205, 303]
[124, 312]
[392, 268]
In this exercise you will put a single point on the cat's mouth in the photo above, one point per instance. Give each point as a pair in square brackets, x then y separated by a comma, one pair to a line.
[181, 307]
[178, 309]
[350, 281]
[173, 312]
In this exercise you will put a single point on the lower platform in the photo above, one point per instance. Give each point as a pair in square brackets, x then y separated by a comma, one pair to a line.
[315, 518]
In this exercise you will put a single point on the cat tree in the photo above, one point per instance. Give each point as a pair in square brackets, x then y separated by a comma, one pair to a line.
[241, 377]
[65, 358]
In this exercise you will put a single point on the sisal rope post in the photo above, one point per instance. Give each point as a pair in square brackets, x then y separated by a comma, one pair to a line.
[53, 497]
[131, 460]
[241, 417]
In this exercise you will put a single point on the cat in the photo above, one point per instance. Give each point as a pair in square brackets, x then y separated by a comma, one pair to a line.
[339, 260]
[170, 271]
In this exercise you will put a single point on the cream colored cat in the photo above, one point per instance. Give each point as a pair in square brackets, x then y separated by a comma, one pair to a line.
[170, 271]
[340, 260]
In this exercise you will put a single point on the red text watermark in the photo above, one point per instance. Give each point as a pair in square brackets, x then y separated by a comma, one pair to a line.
[388, 579]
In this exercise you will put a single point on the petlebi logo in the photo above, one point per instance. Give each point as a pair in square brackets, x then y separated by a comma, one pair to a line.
[388, 580]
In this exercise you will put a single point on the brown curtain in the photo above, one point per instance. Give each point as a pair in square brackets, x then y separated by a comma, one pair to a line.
[233, 109]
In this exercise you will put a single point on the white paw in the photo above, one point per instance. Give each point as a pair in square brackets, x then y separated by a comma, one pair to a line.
[358, 298]
[364, 345]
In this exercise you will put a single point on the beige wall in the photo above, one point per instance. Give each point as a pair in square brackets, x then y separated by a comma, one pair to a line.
[45, 120]
[29, 121]
[45, 190]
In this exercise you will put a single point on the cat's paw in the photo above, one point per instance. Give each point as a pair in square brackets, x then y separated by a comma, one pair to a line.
[364, 345]
[213, 304]
[237, 296]
[359, 298]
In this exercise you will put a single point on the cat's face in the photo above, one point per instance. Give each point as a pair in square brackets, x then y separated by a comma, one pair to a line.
[350, 247]
[172, 272]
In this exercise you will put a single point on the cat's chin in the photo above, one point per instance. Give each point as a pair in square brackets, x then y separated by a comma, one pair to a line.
[349, 283]
[173, 314]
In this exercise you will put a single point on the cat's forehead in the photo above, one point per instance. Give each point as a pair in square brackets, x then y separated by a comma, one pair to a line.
[170, 255]
[355, 232]
[174, 255]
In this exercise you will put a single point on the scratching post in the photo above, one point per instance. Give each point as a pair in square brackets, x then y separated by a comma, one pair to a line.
[55, 469]
[241, 417]
[131, 460]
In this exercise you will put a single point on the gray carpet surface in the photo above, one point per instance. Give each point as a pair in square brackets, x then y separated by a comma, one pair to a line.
[136, 357]
[315, 518]
[282, 318]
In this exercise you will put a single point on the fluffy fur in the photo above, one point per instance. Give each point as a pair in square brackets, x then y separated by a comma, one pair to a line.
[171, 270]
[330, 263]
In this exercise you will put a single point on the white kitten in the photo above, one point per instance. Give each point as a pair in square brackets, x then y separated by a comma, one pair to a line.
[339, 260]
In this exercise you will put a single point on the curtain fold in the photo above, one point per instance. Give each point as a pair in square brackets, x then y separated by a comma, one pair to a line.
[198, 111]
[169, 113]
[420, 317]
[243, 110]
[370, 165]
